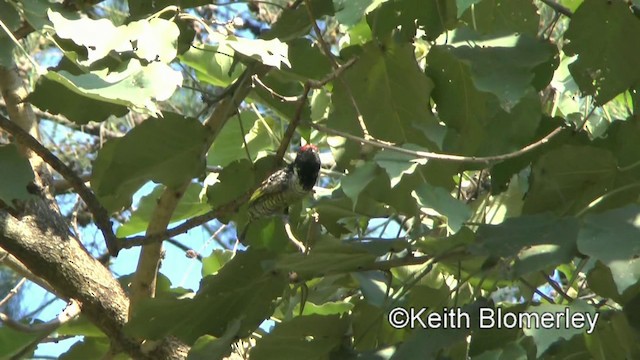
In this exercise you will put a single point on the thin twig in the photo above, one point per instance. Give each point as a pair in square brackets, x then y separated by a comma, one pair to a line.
[13, 292]
[556, 287]
[327, 52]
[99, 212]
[486, 160]
[189, 224]
[311, 84]
[291, 129]
[537, 291]
[70, 312]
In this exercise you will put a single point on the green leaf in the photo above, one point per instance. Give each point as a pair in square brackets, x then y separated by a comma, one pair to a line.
[510, 351]
[138, 87]
[100, 37]
[349, 12]
[80, 326]
[295, 23]
[398, 164]
[229, 147]
[404, 17]
[537, 242]
[284, 86]
[214, 65]
[565, 180]
[503, 17]
[327, 308]
[307, 61]
[12, 342]
[613, 237]
[17, 174]
[208, 347]
[440, 200]
[36, 12]
[52, 96]
[243, 290]
[356, 181]
[87, 348]
[189, 206]
[599, 34]
[326, 259]
[270, 52]
[335, 211]
[544, 338]
[422, 344]
[235, 179]
[11, 18]
[303, 337]
[214, 262]
[166, 151]
[391, 92]
[506, 67]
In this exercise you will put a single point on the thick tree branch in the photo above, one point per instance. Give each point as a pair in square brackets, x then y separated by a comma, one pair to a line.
[40, 240]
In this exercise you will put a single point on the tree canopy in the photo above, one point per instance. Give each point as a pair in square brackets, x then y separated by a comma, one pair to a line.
[479, 157]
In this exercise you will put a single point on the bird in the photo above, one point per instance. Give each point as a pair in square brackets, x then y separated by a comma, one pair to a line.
[285, 186]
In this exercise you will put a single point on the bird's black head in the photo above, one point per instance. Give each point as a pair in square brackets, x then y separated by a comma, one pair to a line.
[307, 166]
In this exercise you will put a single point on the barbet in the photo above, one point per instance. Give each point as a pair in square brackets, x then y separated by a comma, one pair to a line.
[285, 186]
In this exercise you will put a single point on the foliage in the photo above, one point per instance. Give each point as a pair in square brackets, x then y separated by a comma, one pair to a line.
[469, 147]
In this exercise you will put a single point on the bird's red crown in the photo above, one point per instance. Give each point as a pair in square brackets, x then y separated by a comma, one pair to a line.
[307, 147]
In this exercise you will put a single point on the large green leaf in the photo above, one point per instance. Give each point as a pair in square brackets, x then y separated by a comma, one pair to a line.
[167, 150]
[613, 237]
[506, 67]
[11, 19]
[100, 37]
[208, 347]
[478, 124]
[545, 337]
[303, 337]
[440, 200]
[600, 33]
[294, 23]
[327, 259]
[189, 206]
[16, 175]
[54, 97]
[87, 348]
[433, 16]
[229, 145]
[349, 12]
[391, 93]
[356, 181]
[537, 242]
[138, 87]
[214, 65]
[242, 291]
[397, 164]
[499, 17]
[565, 180]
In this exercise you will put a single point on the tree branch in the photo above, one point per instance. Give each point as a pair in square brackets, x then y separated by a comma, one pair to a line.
[485, 160]
[100, 213]
[143, 284]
